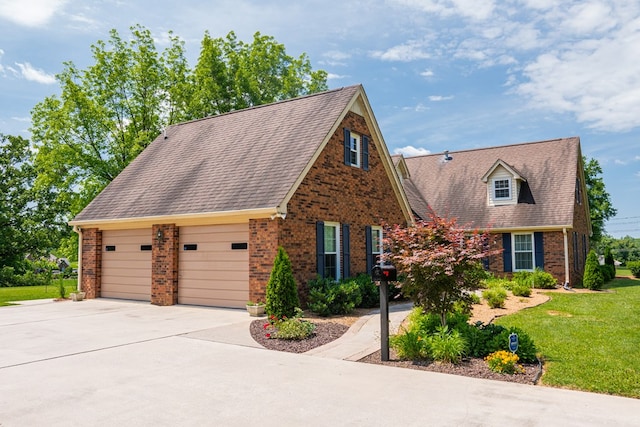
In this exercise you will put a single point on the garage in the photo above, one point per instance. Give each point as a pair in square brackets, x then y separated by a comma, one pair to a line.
[126, 264]
[213, 265]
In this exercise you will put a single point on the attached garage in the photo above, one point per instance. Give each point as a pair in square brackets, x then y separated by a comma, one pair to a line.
[213, 265]
[126, 264]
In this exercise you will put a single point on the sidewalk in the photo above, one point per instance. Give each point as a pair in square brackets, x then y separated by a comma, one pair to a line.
[363, 337]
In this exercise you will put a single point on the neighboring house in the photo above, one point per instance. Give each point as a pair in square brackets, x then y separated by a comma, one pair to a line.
[532, 195]
[198, 216]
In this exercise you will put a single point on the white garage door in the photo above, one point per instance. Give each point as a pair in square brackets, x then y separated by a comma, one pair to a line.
[213, 265]
[126, 264]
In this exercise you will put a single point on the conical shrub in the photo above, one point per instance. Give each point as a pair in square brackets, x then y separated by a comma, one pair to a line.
[593, 278]
[282, 291]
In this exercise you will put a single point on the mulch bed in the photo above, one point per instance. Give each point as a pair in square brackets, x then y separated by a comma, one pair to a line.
[324, 333]
[327, 331]
[471, 367]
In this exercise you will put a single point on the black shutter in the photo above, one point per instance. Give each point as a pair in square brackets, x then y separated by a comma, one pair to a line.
[538, 242]
[485, 260]
[365, 153]
[346, 253]
[320, 248]
[347, 147]
[506, 255]
[369, 248]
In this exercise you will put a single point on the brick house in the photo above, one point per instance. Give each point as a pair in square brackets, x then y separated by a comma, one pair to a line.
[532, 196]
[198, 216]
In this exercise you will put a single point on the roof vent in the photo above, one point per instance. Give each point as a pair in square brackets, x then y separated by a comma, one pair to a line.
[447, 157]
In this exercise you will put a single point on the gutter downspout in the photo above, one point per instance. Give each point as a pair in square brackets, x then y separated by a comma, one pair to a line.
[566, 256]
[79, 231]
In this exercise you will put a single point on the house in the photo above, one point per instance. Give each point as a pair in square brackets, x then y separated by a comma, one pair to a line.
[198, 216]
[532, 196]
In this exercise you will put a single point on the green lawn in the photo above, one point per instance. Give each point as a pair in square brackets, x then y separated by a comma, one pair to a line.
[24, 293]
[588, 341]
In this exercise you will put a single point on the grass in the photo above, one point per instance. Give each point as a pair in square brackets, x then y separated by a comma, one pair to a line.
[24, 293]
[588, 341]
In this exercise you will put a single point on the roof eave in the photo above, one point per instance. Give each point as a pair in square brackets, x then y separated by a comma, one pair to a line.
[220, 217]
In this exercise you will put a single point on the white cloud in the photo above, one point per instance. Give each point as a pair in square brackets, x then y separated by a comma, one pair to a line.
[619, 162]
[30, 13]
[333, 76]
[427, 73]
[438, 98]
[410, 51]
[35, 75]
[472, 9]
[411, 151]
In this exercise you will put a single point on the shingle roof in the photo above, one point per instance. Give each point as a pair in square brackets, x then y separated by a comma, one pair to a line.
[455, 188]
[243, 160]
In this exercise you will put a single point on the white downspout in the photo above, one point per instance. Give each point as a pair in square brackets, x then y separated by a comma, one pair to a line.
[566, 256]
[79, 231]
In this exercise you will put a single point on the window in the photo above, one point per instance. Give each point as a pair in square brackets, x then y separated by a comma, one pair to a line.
[331, 250]
[354, 149]
[523, 252]
[578, 192]
[376, 243]
[502, 189]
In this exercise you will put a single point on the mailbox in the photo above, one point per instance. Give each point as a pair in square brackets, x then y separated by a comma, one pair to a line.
[384, 272]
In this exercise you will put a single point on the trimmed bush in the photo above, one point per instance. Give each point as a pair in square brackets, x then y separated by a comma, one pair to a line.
[592, 278]
[526, 347]
[521, 290]
[538, 278]
[282, 292]
[634, 266]
[328, 297]
[368, 290]
[610, 262]
[495, 296]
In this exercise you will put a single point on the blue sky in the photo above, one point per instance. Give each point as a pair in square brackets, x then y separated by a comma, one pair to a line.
[440, 74]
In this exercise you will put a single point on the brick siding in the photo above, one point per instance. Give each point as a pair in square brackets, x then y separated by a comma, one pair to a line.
[164, 268]
[91, 278]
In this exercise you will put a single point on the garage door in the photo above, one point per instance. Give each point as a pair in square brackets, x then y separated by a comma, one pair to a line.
[126, 264]
[213, 265]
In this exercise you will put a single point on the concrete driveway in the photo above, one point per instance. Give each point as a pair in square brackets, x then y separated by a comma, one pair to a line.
[105, 363]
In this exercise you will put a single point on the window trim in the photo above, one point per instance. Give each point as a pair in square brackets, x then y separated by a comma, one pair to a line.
[338, 248]
[376, 230]
[513, 252]
[509, 188]
[354, 137]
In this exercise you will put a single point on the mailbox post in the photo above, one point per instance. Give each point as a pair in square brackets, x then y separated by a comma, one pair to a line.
[384, 274]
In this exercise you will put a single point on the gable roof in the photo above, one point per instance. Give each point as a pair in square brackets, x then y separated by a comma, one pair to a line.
[456, 189]
[243, 163]
[509, 168]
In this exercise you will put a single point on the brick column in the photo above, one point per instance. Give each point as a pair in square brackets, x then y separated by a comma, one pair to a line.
[91, 279]
[164, 265]
[263, 248]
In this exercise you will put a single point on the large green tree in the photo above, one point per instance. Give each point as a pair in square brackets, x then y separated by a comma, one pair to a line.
[600, 206]
[27, 225]
[109, 112]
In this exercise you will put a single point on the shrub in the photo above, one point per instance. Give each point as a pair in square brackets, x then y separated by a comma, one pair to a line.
[606, 273]
[526, 347]
[499, 282]
[479, 336]
[634, 266]
[610, 262]
[368, 290]
[592, 278]
[294, 329]
[447, 346]
[328, 297]
[540, 279]
[504, 362]
[495, 296]
[410, 345]
[474, 298]
[521, 290]
[7, 276]
[282, 291]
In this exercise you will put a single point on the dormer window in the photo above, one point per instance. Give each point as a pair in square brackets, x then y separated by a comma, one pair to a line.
[505, 185]
[502, 189]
